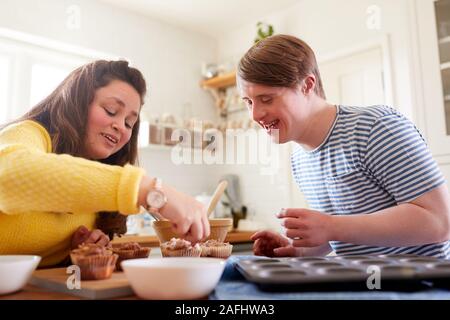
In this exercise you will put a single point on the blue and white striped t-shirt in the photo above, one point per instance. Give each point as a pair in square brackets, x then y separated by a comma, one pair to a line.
[373, 158]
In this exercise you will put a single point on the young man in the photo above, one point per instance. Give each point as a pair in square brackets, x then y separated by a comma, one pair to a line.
[367, 174]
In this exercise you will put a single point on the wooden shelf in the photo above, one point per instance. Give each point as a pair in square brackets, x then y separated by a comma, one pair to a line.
[220, 82]
[445, 65]
[217, 87]
[444, 40]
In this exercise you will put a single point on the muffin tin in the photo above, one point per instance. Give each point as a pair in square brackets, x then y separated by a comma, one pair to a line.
[351, 272]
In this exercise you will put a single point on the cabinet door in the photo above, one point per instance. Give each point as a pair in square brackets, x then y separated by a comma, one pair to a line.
[434, 42]
[355, 79]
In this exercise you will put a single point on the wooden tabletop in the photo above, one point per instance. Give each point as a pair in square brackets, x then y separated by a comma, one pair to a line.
[152, 241]
[31, 292]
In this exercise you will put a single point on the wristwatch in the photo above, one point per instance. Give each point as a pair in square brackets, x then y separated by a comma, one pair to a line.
[156, 199]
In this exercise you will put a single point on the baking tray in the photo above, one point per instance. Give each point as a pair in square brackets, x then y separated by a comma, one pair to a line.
[397, 272]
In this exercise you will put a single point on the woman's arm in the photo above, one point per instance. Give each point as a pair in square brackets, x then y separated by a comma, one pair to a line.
[32, 179]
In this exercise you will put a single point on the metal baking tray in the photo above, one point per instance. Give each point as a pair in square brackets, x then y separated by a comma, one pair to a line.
[396, 272]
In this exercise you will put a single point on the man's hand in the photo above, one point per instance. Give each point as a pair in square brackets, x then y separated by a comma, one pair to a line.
[271, 244]
[306, 228]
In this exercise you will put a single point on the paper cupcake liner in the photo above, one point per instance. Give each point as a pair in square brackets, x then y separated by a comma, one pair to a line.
[187, 252]
[130, 254]
[223, 251]
[205, 251]
[95, 267]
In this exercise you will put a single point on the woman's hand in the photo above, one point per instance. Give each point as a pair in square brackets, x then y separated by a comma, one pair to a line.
[306, 228]
[271, 244]
[187, 215]
[83, 235]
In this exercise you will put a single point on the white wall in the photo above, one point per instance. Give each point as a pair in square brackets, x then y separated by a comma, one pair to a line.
[328, 28]
[169, 57]
[192, 178]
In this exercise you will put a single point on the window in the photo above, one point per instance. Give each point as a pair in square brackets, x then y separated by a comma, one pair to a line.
[44, 79]
[31, 68]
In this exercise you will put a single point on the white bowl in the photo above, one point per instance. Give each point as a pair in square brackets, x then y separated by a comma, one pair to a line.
[173, 278]
[15, 271]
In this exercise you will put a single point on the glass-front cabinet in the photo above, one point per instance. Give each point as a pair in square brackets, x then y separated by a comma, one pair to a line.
[442, 13]
[433, 35]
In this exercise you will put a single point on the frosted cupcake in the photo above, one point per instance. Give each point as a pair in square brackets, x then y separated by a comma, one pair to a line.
[130, 250]
[95, 262]
[216, 249]
[180, 248]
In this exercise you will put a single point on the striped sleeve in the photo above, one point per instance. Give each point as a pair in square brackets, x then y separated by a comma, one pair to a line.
[399, 159]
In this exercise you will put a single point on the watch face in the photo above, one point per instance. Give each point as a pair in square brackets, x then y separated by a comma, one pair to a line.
[156, 199]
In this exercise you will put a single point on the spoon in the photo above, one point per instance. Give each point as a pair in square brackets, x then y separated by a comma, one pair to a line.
[216, 196]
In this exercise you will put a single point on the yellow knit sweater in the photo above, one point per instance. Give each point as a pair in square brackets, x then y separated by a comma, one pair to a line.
[45, 197]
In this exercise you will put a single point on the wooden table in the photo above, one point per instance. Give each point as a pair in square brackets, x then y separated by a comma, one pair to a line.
[31, 292]
[34, 293]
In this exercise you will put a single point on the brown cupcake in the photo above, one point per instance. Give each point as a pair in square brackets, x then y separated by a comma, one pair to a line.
[95, 262]
[180, 248]
[130, 250]
[216, 249]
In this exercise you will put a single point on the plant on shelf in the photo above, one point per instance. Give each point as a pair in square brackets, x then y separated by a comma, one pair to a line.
[264, 30]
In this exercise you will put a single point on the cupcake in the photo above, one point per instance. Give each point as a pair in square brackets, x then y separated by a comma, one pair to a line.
[180, 248]
[216, 249]
[95, 262]
[130, 250]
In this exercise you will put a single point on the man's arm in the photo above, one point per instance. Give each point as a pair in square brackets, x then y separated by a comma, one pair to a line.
[322, 250]
[422, 221]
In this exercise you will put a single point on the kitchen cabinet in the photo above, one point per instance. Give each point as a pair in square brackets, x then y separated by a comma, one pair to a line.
[433, 28]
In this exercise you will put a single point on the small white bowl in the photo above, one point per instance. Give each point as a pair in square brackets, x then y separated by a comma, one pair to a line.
[15, 271]
[173, 278]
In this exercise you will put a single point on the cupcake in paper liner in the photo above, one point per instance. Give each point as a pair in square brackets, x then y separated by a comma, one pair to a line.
[180, 248]
[130, 250]
[216, 249]
[95, 262]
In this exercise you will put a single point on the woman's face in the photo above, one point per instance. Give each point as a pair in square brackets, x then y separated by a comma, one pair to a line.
[279, 110]
[111, 117]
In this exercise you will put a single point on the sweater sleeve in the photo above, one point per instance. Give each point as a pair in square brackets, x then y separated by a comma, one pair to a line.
[32, 179]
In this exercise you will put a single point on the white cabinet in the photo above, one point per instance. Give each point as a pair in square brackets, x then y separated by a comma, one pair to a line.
[433, 18]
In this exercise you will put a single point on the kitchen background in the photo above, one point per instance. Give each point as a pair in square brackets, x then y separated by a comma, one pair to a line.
[369, 52]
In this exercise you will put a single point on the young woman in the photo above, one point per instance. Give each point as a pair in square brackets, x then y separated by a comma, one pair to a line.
[370, 181]
[67, 166]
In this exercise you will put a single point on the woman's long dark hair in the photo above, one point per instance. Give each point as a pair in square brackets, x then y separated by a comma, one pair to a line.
[64, 114]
